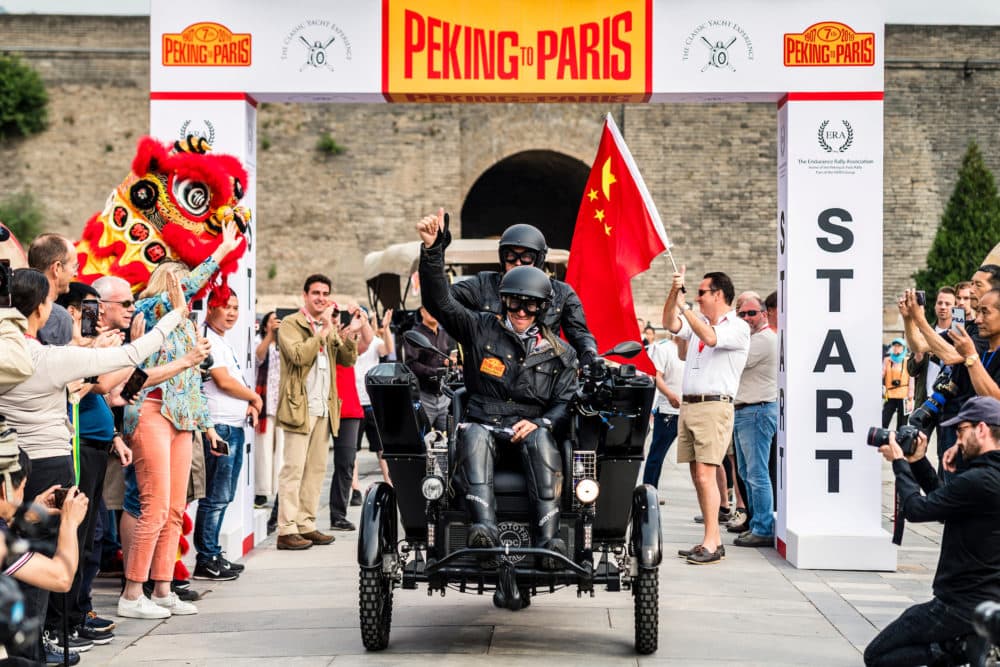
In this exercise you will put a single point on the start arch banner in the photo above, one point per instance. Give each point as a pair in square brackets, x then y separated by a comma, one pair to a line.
[821, 64]
[516, 51]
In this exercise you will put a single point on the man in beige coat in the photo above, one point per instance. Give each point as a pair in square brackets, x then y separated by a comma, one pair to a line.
[308, 409]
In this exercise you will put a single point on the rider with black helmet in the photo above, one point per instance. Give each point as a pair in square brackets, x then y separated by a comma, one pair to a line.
[523, 244]
[520, 378]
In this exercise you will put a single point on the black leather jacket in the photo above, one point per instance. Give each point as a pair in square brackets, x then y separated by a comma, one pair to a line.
[482, 292]
[968, 570]
[505, 381]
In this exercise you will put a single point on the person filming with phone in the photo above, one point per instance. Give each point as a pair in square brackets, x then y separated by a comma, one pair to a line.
[968, 570]
[974, 362]
[36, 408]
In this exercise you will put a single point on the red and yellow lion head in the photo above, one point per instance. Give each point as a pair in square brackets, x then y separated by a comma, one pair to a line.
[170, 207]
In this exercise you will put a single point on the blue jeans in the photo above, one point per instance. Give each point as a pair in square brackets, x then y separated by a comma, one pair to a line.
[916, 637]
[664, 434]
[222, 474]
[753, 428]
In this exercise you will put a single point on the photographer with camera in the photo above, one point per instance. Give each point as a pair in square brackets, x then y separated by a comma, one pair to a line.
[968, 571]
[974, 364]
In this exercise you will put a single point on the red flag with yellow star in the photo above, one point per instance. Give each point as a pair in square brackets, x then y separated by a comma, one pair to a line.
[618, 233]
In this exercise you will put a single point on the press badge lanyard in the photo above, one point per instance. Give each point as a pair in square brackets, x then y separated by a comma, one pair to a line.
[987, 360]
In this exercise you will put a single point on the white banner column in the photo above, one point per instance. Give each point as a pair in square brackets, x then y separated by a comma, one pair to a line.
[830, 324]
[230, 126]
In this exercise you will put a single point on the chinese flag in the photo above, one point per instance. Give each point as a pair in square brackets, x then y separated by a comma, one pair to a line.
[618, 233]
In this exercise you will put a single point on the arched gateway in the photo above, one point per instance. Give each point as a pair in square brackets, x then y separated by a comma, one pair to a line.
[820, 64]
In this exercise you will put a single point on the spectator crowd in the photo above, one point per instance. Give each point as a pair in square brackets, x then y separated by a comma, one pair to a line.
[120, 410]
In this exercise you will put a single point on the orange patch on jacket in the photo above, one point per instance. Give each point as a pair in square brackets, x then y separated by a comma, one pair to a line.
[492, 366]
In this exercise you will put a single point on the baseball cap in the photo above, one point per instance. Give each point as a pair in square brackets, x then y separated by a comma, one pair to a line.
[977, 409]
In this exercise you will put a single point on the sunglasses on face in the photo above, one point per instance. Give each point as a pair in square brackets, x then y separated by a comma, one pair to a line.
[748, 313]
[127, 303]
[527, 306]
[703, 292]
[527, 257]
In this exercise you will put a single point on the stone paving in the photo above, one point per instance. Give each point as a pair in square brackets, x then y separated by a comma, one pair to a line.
[300, 608]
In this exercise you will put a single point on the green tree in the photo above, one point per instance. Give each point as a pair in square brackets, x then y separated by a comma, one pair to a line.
[23, 99]
[969, 229]
[22, 214]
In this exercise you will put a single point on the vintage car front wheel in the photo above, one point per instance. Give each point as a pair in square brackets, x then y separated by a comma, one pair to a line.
[646, 593]
[375, 608]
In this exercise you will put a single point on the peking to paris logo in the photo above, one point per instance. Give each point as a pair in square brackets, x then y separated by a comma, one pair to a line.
[841, 137]
[315, 45]
[718, 45]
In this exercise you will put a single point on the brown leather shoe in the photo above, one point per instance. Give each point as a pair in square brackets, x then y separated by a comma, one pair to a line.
[317, 537]
[293, 542]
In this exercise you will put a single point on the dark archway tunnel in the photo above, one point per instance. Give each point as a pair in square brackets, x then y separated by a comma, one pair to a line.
[539, 187]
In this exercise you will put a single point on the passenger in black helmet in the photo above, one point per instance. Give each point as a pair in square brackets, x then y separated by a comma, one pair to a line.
[522, 245]
[520, 378]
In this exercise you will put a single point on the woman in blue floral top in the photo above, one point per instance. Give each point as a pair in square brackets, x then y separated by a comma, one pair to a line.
[161, 426]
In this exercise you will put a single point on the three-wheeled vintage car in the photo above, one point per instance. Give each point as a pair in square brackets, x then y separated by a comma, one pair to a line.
[610, 525]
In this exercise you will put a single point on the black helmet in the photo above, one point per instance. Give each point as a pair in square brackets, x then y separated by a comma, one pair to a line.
[524, 236]
[529, 283]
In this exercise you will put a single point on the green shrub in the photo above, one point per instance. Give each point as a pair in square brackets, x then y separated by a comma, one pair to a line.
[23, 99]
[970, 227]
[22, 214]
[328, 145]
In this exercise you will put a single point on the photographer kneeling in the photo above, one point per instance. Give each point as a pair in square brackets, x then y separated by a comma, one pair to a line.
[968, 569]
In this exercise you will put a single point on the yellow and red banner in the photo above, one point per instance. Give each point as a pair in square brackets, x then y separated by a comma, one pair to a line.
[618, 233]
[207, 44]
[585, 51]
[829, 44]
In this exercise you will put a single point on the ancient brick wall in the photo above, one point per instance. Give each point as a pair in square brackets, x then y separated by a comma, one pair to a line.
[710, 168]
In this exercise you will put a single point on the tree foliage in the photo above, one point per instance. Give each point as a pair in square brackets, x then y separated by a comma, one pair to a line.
[969, 229]
[22, 214]
[23, 100]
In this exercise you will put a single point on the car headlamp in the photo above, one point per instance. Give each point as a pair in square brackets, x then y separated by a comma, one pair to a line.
[432, 487]
[587, 491]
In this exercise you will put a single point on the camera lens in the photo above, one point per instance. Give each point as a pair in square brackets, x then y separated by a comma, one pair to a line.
[877, 437]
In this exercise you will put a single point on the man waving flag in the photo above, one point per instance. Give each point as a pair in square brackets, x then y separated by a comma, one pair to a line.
[618, 233]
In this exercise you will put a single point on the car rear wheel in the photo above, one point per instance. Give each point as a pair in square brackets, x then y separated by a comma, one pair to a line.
[646, 593]
[375, 608]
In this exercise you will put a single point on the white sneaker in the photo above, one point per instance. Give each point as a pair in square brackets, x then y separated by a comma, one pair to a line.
[174, 605]
[142, 607]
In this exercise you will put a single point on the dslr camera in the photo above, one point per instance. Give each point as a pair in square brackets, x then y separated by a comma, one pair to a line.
[924, 418]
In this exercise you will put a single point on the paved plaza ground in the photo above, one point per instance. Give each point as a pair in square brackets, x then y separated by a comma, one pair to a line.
[300, 608]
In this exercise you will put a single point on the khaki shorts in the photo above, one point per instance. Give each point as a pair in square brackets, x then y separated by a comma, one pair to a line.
[704, 432]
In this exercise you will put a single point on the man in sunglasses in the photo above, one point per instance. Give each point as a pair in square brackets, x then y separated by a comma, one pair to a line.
[756, 422]
[718, 342]
[524, 245]
[520, 378]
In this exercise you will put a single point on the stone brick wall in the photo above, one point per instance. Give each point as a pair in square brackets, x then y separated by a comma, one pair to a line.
[710, 168]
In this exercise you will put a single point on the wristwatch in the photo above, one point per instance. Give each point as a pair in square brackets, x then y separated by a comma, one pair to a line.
[971, 360]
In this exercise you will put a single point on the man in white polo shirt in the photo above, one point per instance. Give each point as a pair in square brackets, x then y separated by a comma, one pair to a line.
[718, 343]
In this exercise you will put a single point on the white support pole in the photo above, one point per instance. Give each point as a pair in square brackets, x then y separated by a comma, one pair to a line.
[829, 314]
[230, 125]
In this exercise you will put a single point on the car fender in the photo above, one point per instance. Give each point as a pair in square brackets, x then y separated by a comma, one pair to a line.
[646, 539]
[377, 530]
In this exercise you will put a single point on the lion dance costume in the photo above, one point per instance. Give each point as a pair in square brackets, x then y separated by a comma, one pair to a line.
[170, 207]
